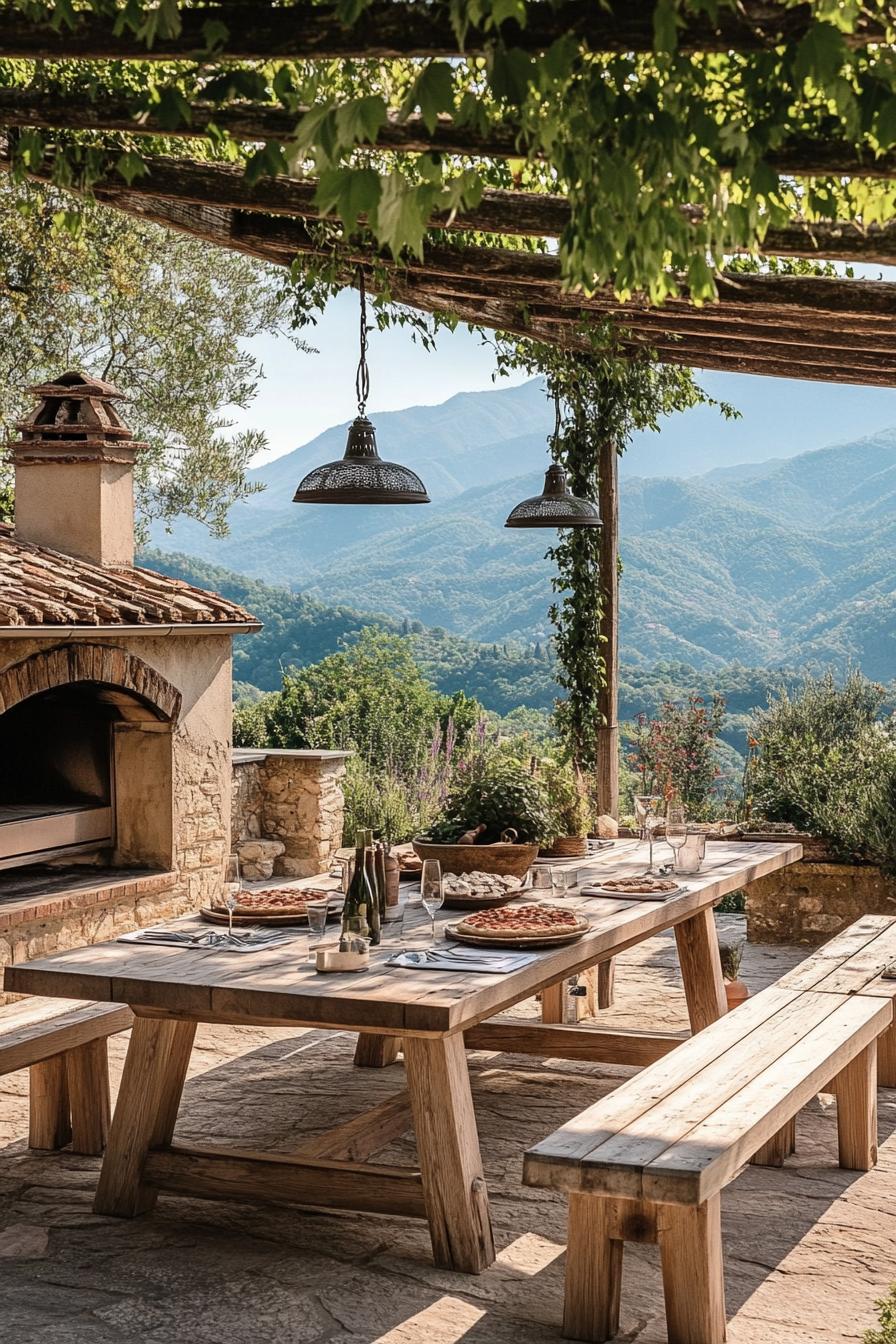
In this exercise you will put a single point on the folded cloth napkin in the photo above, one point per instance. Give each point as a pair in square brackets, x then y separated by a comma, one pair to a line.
[216, 940]
[470, 960]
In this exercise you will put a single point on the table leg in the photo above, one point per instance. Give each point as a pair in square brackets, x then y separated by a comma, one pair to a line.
[146, 1111]
[376, 1052]
[701, 969]
[553, 1002]
[448, 1150]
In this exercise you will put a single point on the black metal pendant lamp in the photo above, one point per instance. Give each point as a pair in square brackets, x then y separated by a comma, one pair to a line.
[361, 476]
[556, 506]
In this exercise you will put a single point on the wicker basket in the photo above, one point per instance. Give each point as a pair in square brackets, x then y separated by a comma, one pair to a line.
[567, 847]
[505, 860]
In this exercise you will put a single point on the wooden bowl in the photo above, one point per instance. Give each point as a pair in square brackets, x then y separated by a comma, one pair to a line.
[506, 860]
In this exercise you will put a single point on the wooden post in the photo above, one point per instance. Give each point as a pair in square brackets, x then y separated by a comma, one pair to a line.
[608, 700]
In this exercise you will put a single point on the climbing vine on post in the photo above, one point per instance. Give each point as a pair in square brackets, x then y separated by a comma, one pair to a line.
[603, 397]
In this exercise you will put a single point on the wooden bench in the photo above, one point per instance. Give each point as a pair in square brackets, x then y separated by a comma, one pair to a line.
[648, 1162]
[63, 1043]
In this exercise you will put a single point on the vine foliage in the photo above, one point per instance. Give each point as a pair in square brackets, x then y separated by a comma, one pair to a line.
[603, 397]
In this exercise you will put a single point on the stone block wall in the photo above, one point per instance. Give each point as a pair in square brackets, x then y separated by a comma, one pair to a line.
[812, 900]
[287, 811]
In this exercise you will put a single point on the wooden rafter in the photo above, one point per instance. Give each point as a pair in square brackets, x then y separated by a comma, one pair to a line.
[45, 109]
[806, 302]
[395, 28]
[500, 212]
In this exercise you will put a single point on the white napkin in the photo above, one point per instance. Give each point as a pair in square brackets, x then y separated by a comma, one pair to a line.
[492, 963]
[212, 940]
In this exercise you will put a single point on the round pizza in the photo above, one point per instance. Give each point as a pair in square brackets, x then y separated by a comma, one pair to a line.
[523, 921]
[273, 901]
[640, 886]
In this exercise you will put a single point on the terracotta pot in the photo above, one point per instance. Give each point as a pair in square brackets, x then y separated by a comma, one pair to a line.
[505, 860]
[567, 847]
[735, 992]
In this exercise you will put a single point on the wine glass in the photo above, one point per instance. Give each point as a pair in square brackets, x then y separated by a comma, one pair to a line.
[646, 805]
[232, 887]
[676, 830]
[431, 892]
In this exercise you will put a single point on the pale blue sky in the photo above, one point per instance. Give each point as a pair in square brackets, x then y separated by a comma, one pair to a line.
[301, 395]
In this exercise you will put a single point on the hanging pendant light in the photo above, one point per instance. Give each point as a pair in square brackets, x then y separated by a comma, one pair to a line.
[361, 476]
[556, 506]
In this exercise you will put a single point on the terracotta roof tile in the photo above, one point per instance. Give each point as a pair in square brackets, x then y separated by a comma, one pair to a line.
[41, 587]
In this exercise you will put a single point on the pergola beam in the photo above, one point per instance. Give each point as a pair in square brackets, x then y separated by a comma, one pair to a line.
[389, 29]
[545, 322]
[254, 122]
[515, 213]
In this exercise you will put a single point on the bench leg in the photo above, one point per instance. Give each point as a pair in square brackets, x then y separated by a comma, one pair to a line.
[690, 1240]
[593, 1270]
[87, 1070]
[774, 1151]
[886, 1058]
[856, 1091]
[49, 1125]
[376, 1052]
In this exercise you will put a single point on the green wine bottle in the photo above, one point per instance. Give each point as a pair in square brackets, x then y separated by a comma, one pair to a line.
[358, 899]
[374, 918]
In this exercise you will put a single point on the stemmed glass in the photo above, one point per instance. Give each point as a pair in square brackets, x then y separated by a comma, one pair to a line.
[646, 805]
[431, 891]
[232, 887]
[676, 830]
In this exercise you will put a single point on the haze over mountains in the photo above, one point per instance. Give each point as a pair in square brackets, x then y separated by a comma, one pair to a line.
[729, 556]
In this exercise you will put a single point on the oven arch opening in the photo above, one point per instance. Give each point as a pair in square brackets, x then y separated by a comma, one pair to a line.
[86, 769]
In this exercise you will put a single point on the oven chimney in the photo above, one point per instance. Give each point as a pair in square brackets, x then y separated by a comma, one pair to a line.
[74, 472]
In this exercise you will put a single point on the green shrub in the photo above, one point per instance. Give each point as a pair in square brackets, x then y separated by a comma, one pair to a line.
[498, 792]
[822, 760]
[568, 793]
[675, 752]
[886, 1307]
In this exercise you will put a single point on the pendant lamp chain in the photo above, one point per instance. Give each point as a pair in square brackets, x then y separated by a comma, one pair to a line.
[556, 423]
[362, 377]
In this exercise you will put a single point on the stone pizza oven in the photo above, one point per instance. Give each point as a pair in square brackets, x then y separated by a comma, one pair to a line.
[115, 695]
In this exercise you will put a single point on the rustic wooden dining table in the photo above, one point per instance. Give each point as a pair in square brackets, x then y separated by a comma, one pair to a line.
[435, 1016]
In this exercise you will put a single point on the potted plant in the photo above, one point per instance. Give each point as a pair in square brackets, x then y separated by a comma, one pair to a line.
[573, 814]
[508, 809]
[731, 956]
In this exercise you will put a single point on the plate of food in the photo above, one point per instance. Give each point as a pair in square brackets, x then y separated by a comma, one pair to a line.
[643, 888]
[273, 905]
[541, 925]
[476, 890]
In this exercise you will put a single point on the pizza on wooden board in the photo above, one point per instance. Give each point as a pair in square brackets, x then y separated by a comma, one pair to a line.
[523, 921]
[272, 901]
[639, 885]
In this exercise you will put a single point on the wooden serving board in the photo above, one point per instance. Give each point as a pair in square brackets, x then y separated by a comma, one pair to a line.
[474, 902]
[214, 916]
[533, 941]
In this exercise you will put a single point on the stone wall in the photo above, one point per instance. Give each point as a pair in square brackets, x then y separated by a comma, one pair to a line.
[287, 811]
[812, 900]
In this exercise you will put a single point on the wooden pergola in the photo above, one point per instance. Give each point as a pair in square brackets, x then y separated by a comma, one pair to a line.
[827, 328]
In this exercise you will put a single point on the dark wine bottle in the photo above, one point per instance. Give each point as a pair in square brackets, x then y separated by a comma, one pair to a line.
[374, 918]
[358, 899]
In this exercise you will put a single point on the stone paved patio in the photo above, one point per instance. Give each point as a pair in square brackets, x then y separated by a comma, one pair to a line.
[808, 1249]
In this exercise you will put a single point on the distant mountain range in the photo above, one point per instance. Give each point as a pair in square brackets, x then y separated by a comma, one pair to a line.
[767, 563]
